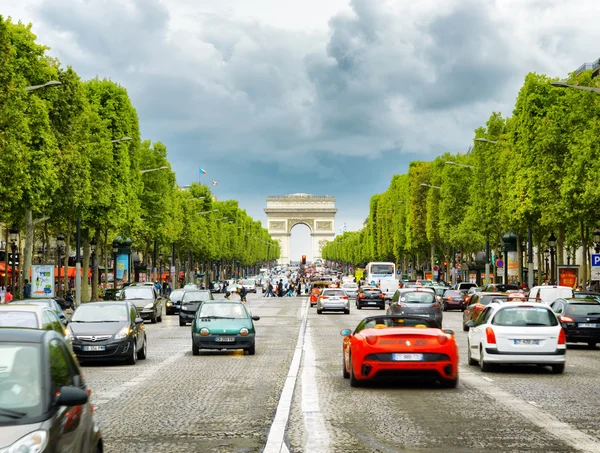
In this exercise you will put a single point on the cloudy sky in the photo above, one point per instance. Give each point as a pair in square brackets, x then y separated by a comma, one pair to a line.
[329, 97]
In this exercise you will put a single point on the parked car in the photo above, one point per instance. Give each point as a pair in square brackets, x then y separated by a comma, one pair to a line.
[44, 398]
[108, 331]
[146, 300]
[516, 333]
[580, 319]
[190, 302]
[173, 305]
[333, 299]
[50, 303]
[416, 302]
[223, 325]
[549, 293]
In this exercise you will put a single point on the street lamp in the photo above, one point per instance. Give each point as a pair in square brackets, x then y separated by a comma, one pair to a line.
[552, 246]
[430, 186]
[122, 139]
[485, 140]
[577, 87]
[164, 167]
[14, 237]
[60, 243]
[52, 83]
[459, 165]
[596, 238]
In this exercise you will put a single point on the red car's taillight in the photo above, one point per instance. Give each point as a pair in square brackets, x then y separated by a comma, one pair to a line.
[442, 339]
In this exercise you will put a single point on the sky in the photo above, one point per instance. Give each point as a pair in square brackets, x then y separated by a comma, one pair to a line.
[326, 97]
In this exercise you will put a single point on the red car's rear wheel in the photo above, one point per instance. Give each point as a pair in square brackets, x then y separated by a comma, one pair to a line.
[353, 381]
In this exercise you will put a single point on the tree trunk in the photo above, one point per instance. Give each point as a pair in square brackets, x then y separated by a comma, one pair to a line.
[6, 256]
[519, 260]
[66, 257]
[25, 262]
[560, 246]
[541, 263]
[584, 261]
[95, 266]
[85, 265]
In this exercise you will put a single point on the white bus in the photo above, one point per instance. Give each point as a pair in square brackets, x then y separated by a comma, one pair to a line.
[382, 275]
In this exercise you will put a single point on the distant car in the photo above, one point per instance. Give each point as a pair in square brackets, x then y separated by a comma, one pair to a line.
[250, 285]
[370, 296]
[416, 302]
[223, 325]
[516, 333]
[500, 288]
[351, 289]
[190, 301]
[465, 286]
[549, 293]
[146, 300]
[333, 299]
[44, 398]
[173, 305]
[108, 331]
[396, 347]
[30, 316]
[454, 299]
[477, 304]
[50, 303]
[580, 319]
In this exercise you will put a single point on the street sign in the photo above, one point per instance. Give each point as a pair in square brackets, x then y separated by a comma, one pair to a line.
[595, 266]
[399, 272]
[436, 268]
[499, 263]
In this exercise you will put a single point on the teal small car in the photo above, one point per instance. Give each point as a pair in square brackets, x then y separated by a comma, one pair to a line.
[223, 325]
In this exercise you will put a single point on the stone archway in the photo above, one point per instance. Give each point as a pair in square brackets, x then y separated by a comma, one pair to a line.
[316, 212]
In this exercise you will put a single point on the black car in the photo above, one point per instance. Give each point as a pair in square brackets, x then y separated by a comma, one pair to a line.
[369, 296]
[580, 319]
[173, 305]
[190, 301]
[108, 331]
[44, 399]
[50, 303]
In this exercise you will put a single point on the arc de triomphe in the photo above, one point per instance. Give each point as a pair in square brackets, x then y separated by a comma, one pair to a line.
[316, 212]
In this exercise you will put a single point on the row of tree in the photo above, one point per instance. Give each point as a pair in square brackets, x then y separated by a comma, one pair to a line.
[536, 170]
[73, 151]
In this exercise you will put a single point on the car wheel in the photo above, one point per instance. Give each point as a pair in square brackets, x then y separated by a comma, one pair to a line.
[345, 373]
[465, 328]
[133, 356]
[319, 311]
[195, 349]
[153, 320]
[347, 312]
[159, 318]
[353, 381]
[592, 344]
[358, 306]
[558, 369]
[445, 307]
[144, 351]
[181, 323]
[252, 350]
[485, 367]
[470, 360]
[449, 383]
[382, 307]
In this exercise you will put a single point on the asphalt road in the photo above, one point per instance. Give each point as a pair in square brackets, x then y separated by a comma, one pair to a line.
[291, 396]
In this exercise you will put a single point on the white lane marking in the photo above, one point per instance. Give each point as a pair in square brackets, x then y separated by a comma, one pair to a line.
[275, 440]
[101, 398]
[487, 378]
[563, 431]
[314, 422]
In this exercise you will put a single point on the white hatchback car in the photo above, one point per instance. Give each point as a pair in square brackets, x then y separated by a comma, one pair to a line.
[517, 333]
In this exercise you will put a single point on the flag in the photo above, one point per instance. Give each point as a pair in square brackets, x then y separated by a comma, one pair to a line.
[203, 171]
[214, 183]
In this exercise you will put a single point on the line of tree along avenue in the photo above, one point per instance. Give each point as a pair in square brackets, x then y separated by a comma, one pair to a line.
[73, 151]
[538, 169]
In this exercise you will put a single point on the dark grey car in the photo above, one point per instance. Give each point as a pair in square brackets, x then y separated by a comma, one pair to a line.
[146, 300]
[416, 302]
[190, 301]
[44, 400]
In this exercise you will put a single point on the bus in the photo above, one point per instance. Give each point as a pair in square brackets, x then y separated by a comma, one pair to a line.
[383, 275]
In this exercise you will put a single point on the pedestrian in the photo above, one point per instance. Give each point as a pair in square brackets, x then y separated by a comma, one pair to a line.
[280, 288]
[8, 296]
[243, 294]
[27, 290]
[269, 290]
[2, 293]
[227, 295]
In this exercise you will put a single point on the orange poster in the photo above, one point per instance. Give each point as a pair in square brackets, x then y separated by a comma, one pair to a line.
[568, 276]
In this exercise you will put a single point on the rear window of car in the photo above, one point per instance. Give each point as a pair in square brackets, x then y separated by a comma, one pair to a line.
[582, 309]
[485, 300]
[334, 292]
[454, 294]
[417, 297]
[18, 319]
[369, 289]
[350, 286]
[525, 317]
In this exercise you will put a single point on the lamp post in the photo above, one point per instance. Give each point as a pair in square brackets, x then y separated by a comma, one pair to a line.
[160, 268]
[576, 87]
[52, 83]
[14, 237]
[552, 246]
[596, 238]
[546, 253]
[115, 249]
[60, 243]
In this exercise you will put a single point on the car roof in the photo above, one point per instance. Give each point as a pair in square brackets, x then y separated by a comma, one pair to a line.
[490, 293]
[23, 307]
[19, 334]
[581, 301]
[513, 304]
[105, 302]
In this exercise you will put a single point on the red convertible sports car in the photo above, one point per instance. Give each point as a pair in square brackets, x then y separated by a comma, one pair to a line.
[396, 347]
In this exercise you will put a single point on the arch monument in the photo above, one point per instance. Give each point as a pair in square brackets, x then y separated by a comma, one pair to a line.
[316, 212]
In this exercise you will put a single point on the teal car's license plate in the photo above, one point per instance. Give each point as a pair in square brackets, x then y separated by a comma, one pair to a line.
[225, 339]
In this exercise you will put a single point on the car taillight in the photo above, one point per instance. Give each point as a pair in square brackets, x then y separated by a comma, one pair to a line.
[324, 297]
[565, 319]
[436, 305]
[442, 339]
[562, 338]
[478, 307]
[467, 298]
[490, 336]
[449, 299]
[344, 297]
[382, 296]
[361, 296]
[371, 339]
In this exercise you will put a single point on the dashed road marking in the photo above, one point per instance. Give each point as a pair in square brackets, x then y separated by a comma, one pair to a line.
[573, 437]
[276, 438]
[487, 378]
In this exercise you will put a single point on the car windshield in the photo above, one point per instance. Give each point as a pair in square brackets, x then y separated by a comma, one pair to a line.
[525, 317]
[248, 282]
[419, 297]
[371, 289]
[350, 286]
[18, 319]
[382, 269]
[223, 310]
[21, 382]
[138, 292]
[380, 323]
[100, 313]
[176, 295]
[334, 292]
[195, 296]
[485, 300]
[583, 309]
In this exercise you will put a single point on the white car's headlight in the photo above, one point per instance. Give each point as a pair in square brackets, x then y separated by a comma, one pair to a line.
[149, 306]
[69, 336]
[122, 333]
[33, 442]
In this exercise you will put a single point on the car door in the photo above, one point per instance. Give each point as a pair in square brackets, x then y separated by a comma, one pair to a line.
[135, 327]
[468, 314]
[476, 332]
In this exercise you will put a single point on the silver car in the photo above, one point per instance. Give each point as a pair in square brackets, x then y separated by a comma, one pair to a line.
[351, 289]
[418, 302]
[333, 299]
[146, 301]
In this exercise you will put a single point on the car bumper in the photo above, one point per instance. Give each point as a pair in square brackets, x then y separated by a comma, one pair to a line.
[113, 351]
[146, 313]
[371, 302]
[454, 304]
[173, 308]
[492, 355]
[210, 342]
[437, 368]
[582, 335]
[329, 306]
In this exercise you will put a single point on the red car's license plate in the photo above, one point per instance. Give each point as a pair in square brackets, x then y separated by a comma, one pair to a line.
[407, 357]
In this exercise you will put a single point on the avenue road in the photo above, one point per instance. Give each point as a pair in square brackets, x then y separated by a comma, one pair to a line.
[291, 396]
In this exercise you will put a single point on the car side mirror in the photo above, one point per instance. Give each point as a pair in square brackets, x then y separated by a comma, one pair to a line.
[139, 321]
[255, 318]
[71, 396]
[345, 332]
[449, 331]
[470, 323]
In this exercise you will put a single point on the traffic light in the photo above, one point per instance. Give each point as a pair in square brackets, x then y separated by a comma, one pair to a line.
[445, 263]
[437, 261]
[303, 259]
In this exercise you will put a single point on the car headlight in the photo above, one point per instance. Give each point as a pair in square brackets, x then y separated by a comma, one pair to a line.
[244, 332]
[68, 335]
[204, 331]
[169, 304]
[184, 308]
[122, 333]
[33, 442]
[149, 306]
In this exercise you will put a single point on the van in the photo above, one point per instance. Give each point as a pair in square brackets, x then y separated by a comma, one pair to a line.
[388, 287]
[548, 293]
